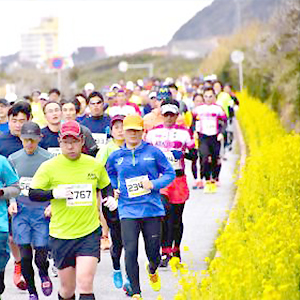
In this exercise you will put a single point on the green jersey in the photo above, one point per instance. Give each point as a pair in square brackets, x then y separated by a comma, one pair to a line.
[78, 216]
[105, 151]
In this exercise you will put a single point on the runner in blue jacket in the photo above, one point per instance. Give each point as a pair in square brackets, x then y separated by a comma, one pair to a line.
[137, 172]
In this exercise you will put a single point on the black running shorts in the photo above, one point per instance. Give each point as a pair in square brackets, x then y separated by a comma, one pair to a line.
[65, 251]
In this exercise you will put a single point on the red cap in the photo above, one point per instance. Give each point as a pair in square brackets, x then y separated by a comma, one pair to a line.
[115, 119]
[70, 128]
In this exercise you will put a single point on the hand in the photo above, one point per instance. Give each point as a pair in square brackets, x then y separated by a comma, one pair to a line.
[220, 137]
[47, 211]
[116, 194]
[13, 208]
[110, 203]
[147, 184]
[62, 193]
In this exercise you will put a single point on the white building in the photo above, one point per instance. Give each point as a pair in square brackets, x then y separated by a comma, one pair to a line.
[41, 43]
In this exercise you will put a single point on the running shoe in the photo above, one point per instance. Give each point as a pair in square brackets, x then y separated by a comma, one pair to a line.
[127, 287]
[213, 187]
[154, 279]
[46, 285]
[195, 185]
[206, 189]
[117, 277]
[32, 297]
[18, 278]
[164, 260]
[200, 184]
[137, 296]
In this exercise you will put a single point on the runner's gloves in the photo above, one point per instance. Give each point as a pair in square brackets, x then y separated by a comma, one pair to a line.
[110, 203]
[61, 193]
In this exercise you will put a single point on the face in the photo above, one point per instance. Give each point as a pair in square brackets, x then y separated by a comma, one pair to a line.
[35, 96]
[153, 102]
[170, 119]
[198, 100]
[111, 101]
[68, 112]
[53, 113]
[3, 111]
[30, 145]
[137, 90]
[133, 137]
[117, 131]
[54, 97]
[227, 89]
[15, 123]
[71, 147]
[82, 104]
[217, 88]
[96, 106]
[174, 92]
[121, 99]
[209, 97]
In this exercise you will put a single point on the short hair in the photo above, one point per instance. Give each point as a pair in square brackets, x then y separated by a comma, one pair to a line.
[196, 95]
[173, 85]
[74, 101]
[49, 102]
[219, 82]
[20, 107]
[80, 95]
[27, 98]
[54, 91]
[95, 94]
[209, 88]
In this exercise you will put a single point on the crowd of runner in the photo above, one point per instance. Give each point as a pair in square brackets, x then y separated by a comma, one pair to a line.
[90, 173]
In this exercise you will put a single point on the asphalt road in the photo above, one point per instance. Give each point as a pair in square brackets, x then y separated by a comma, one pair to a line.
[201, 222]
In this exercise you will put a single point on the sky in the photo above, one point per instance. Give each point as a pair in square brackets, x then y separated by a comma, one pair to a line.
[121, 26]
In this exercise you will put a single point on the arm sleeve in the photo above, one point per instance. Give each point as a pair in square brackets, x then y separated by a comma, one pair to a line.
[11, 191]
[107, 191]
[9, 179]
[40, 195]
[165, 168]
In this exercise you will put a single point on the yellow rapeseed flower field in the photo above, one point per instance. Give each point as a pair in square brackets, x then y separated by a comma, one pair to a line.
[260, 247]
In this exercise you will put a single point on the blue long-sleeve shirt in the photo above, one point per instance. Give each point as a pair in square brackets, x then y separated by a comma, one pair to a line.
[128, 168]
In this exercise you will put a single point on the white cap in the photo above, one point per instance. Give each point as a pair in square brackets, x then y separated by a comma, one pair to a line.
[44, 96]
[115, 85]
[152, 95]
[11, 97]
[130, 85]
[89, 87]
[169, 108]
[140, 82]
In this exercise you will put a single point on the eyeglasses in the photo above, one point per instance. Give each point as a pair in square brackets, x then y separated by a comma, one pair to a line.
[169, 114]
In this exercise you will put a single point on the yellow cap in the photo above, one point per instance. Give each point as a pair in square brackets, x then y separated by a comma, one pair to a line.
[133, 122]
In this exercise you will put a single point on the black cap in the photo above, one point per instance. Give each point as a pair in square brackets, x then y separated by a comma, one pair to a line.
[4, 102]
[30, 130]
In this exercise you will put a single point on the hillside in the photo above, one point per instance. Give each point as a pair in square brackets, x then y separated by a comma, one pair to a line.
[224, 17]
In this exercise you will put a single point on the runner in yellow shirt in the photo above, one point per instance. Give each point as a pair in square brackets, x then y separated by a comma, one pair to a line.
[71, 181]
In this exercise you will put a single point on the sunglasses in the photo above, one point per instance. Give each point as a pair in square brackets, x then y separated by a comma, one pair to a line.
[94, 103]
